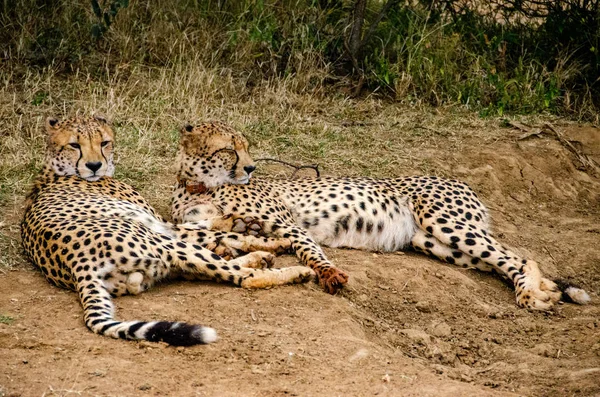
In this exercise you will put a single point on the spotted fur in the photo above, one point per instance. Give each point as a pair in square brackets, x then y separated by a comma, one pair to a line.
[437, 216]
[93, 234]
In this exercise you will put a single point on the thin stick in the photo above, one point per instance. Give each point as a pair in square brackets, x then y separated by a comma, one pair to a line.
[297, 167]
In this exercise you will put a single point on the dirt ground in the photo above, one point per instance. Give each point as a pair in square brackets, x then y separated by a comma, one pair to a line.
[405, 325]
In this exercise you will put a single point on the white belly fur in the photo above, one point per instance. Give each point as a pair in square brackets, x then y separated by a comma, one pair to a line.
[396, 234]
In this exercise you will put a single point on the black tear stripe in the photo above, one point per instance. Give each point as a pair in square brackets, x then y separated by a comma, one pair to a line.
[77, 163]
[103, 156]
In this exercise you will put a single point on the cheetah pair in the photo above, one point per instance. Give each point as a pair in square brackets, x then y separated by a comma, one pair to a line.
[93, 234]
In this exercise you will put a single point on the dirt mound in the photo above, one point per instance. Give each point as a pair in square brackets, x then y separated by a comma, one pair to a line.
[406, 325]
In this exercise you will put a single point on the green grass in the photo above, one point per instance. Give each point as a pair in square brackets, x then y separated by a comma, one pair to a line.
[417, 54]
[8, 320]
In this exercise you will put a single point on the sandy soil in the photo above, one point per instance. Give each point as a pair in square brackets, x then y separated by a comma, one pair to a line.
[405, 325]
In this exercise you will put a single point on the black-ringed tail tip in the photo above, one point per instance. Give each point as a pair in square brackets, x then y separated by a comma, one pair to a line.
[572, 293]
[172, 333]
[178, 334]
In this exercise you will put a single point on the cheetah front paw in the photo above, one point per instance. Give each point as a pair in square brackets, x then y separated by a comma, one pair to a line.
[304, 274]
[540, 297]
[332, 279]
[223, 251]
[224, 223]
[255, 260]
[248, 225]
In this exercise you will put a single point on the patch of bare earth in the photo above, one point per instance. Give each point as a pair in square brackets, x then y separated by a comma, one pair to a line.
[405, 325]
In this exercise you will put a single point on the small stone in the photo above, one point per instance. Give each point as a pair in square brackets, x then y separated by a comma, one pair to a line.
[544, 350]
[495, 315]
[590, 325]
[417, 336]
[441, 330]
[359, 355]
[466, 378]
[423, 307]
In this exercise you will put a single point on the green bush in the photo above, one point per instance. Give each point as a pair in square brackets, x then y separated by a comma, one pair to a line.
[507, 59]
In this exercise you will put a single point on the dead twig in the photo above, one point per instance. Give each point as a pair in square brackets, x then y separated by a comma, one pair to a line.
[551, 256]
[588, 164]
[314, 167]
[527, 129]
[444, 134]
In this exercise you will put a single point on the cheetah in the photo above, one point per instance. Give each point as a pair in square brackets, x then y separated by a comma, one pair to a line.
[95, 235]
[437, 216]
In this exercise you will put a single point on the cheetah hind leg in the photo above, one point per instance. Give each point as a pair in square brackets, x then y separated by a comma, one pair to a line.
[531, 290]
[429, 245]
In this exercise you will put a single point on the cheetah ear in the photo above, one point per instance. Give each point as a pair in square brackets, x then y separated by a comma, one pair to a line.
[51, 124]
[186, 129]
[102, 118]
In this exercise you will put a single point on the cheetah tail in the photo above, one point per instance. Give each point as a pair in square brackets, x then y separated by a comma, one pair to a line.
[572, 293]
[99, 317]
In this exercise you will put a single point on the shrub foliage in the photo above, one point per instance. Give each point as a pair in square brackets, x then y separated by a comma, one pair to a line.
[500, 56]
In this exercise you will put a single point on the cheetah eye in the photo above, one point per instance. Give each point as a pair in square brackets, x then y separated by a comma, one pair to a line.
[104, 143]
[75, 145]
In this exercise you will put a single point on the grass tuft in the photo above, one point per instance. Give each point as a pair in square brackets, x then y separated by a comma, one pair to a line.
[8, 320]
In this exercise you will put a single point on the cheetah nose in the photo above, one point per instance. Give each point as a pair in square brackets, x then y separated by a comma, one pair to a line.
[249, 169]
[94, 165]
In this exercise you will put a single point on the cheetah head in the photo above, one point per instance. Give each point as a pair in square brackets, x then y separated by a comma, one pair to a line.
[82, 147]
[214, 154]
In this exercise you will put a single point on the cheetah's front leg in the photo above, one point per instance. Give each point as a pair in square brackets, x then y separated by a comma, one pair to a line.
[192, 260]
[330, 277]
[231, 245]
